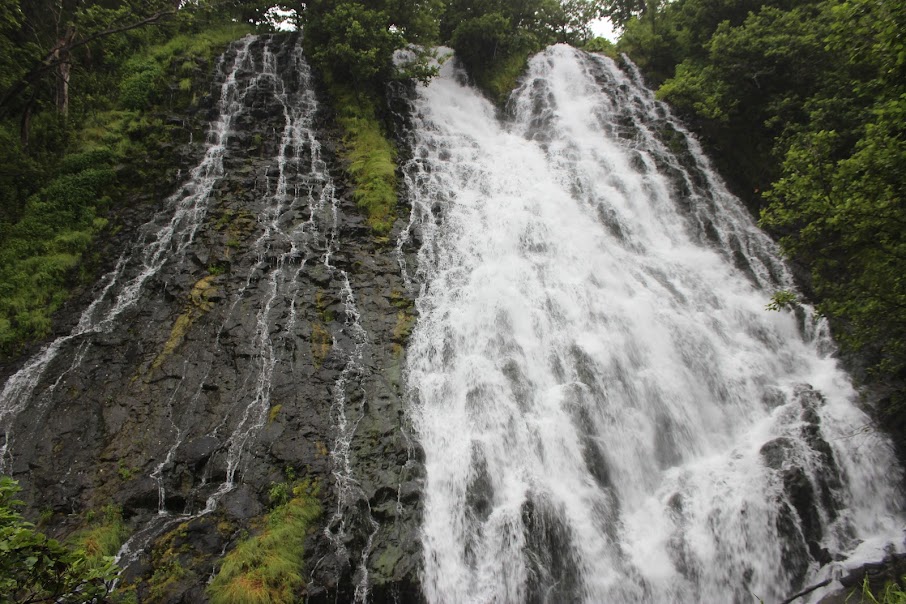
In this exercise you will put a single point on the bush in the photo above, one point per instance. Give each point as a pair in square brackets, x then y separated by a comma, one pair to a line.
[371, 156]
[34, 568]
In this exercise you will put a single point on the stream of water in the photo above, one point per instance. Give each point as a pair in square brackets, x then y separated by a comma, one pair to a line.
[608, 411]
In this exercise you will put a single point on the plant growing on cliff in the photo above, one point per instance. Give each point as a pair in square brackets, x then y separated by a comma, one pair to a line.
[267, 568]
[34, 568]
[103, 536]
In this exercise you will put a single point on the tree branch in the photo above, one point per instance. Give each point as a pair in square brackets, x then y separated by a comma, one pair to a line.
[807, 591]
[55, 57]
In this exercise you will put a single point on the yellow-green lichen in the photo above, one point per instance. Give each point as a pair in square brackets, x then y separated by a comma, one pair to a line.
[321, 343]
[200, 303]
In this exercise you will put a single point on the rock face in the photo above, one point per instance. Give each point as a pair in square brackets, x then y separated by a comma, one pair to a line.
[810, 487]
[253, 329]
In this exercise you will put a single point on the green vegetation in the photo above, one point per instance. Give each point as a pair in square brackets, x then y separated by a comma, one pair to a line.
[71, 153]
[39, 251]
[91, 147]
[495, 39]
[353, 47]
[149, 73]
[167, 559]
[34, 568]
[268, 567]
[103, 536]
[371, 156]
[804, 106]
[888, 593]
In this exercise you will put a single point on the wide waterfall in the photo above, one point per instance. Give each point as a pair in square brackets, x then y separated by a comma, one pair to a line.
[608, 411]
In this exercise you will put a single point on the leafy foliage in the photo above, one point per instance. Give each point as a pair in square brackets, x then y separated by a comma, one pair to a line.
[494, 39]
[34, 568]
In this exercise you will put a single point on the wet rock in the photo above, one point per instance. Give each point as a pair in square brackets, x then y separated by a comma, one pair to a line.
[776, 452]
[138, 495]
[242, 504]
[237, 365]
[196, 452]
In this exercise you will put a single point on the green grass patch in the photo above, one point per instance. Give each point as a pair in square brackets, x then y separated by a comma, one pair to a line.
[105, 534]
[267, 568]
[371, 157]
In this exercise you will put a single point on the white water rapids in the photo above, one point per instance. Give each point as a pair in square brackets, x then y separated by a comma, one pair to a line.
[608, 411]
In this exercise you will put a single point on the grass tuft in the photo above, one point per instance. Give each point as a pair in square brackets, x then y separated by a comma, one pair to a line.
[268, 567]
[371, 157]
[103, 537]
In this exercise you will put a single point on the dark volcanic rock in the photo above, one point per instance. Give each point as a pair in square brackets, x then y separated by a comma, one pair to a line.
[262, 344]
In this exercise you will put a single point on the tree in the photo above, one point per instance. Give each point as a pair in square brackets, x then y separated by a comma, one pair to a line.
[840, 204]
[36, 569]
[53, 34]
[354, 42]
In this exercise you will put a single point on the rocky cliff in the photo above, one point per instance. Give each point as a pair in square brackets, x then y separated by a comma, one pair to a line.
[248, 334]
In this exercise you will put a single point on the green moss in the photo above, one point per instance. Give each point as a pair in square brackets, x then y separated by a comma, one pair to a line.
[124, 471]
[267, 568]
[216, 269]
[371, 157]
[401, 300]
[322, 303]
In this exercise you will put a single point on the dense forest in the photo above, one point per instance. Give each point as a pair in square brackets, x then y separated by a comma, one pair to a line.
[801, 103]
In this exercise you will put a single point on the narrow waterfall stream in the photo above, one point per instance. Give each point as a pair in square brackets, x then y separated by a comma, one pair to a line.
[237, 306]
[608, 411]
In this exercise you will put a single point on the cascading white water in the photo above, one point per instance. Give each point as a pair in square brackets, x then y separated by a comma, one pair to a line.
[607, 410]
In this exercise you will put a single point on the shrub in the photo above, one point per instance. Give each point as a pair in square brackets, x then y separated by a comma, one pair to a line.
[34, 568]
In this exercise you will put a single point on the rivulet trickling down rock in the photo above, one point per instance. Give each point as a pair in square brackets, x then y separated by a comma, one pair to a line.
[252, 328]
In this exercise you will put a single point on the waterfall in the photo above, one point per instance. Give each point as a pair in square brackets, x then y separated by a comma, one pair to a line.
[244, 253]
[608, 411]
